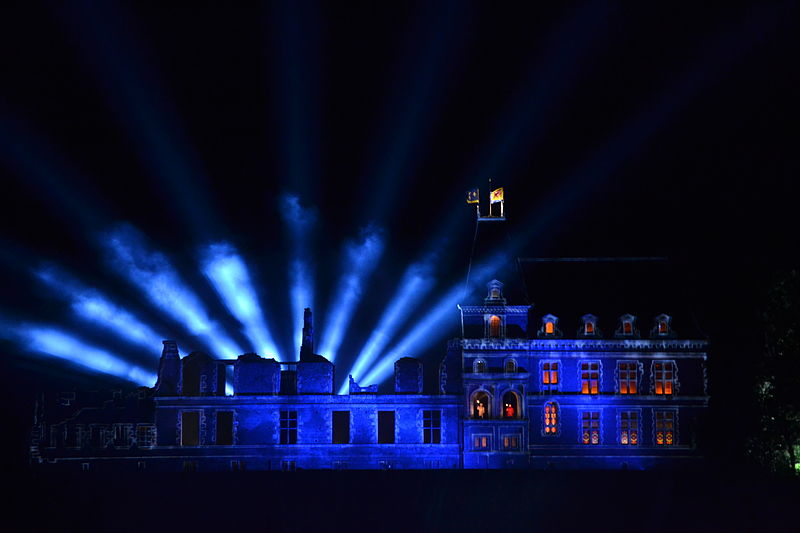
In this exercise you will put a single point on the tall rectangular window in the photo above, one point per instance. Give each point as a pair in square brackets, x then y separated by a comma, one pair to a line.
[550, 377]
[224, 428]
[665, 427]
[385, 427]
[590, 377]
[663, 377]
[288, 427]
[511, 443]
[190, 428]
[590, 427]
[431, 427]
[628, 373]
[341, 427]
[629, 428]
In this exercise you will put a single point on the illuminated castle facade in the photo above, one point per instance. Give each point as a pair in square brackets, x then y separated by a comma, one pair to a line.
[512, 394]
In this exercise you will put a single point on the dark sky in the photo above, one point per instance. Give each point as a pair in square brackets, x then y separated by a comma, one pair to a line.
[638, 130]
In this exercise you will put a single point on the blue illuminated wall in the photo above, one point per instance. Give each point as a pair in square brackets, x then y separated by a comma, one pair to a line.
[512, 393]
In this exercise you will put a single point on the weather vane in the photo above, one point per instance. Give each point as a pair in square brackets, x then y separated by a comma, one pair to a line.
[495, 197]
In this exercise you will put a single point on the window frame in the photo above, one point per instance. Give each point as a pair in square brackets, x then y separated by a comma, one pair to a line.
[429, 424]
[599, 377]
[655, 381]
[482, 448]
[489, 401]
[673, 411]
[581, 417]
[549, 388]
[621, 436]
[506, 437]
[476, 363]
[290, 429]
[555, 427]
[637, 368]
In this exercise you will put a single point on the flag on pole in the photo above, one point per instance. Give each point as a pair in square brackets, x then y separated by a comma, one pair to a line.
[472, 196]
[496, 196]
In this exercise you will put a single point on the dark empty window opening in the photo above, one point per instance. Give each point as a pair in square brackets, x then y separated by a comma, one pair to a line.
[385, 427]
[191, 380]
[511, 366]
[341, 427]
[431, 427]
[225, 428]
[480, 366]
[190, 428]
[288, 427]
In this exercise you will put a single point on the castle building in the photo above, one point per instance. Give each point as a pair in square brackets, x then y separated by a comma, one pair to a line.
[517, 390]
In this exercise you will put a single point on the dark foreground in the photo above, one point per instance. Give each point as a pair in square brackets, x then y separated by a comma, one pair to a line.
[405, 501]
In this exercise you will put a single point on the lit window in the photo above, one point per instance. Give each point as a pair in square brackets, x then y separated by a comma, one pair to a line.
[664, 377]
[590, 377]
[629, 428]
[494, 326]
[550, 418]
[288, 422]
[431, 427]
[662, 327]
[589, 328]
[480, 405]
[511, 442]
[550, 382]
[627, 327]
[511, 366]
[510, 405]
[590, 427]
[481, 442]
[628, 373]
[665, 428]
[549, 327]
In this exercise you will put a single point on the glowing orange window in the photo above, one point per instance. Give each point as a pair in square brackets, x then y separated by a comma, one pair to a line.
[662, 327]
[627, 327]
[590, 377]
[589, 328]
[549, 327]
[665, 428]
[664, 377]
[629, 428]
[590, 425]
[494, 326]
[550, 418]
[628, 377]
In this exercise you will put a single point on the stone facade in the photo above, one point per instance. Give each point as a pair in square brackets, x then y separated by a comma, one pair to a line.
[509, 396]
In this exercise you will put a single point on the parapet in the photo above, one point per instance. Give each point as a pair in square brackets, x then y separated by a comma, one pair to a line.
[253, 374]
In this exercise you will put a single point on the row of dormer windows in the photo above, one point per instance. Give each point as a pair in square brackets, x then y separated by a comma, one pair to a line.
[627, 327]
[628, 375]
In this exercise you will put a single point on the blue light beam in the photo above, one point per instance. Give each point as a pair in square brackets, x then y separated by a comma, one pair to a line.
[424, 334]
[91, 305]
[360, 260]
[299, 221]
[415, 284]
[227, 272]
[152, 273]
[56, 343]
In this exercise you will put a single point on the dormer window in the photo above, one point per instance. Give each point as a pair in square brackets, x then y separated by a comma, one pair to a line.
[662, 326]
[549, 327]
[494, 293]
[589, 328]
[627, 327]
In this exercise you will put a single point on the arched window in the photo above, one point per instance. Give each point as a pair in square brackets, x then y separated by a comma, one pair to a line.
[480, 404]
[550, 418]
[494, 293]
[494, 326]
[588, 328]
[663, 328]
[510, 405]
[511, 366]
[549, 327]
[627, 327]
[479, 367]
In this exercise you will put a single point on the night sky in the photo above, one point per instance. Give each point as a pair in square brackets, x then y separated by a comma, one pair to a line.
[652, 130]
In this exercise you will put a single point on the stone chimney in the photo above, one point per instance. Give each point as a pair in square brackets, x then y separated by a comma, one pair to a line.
[307, 348]
[169, 370]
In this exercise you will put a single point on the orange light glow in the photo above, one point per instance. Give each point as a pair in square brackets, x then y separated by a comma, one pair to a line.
[589, 328]
[494, 326]
[627, 328]
[549, 328]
